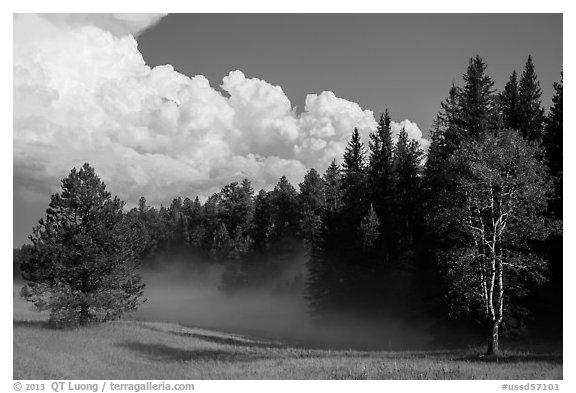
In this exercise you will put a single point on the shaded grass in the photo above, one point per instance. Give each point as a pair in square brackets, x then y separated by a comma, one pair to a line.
[154, 350]
[147, 350]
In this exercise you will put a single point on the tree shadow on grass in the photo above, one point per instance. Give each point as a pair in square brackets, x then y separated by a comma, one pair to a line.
[233, 341]
[165, 353]
[239, 342]
[32, 324]
[520, 358]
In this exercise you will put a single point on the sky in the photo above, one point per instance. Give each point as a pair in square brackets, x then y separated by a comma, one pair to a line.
[181, 105]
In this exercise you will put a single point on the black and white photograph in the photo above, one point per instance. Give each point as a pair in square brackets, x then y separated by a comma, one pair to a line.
[287, 196]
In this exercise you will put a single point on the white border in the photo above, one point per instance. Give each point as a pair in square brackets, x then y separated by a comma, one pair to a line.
[308, 6]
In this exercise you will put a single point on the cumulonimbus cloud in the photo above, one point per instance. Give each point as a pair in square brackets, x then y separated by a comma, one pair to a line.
[82, 92]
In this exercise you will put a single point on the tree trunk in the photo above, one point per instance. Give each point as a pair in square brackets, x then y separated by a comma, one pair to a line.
[493, 348]
[83, 314]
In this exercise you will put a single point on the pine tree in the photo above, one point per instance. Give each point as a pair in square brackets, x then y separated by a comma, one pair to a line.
[380, 172]
[553, 143]
[332, 187]
[236, 208]
[354, 179]
[447, 134]
[285, 206]
[247, 189]
[510, 103]
[407, 158]
[531, 111]
[196, 230]
[263, 222]
[221, 249]
[380, 145]
[551, 298]
[312, 203]
[478, 100]
[398, 272]
[343, 228]
[147, 219]
[312, 194]
[84, 257]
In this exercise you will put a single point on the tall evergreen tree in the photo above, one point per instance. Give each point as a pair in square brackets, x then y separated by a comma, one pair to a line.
[380, 145]
[193, 211]
[478, 100]
[354, 179]
[312, 203]
[312, 195]
[263, 222]
[407, 158]
[551, 298]
[553, 142]
[450, 120]
[380, 174]
[236, 208]
[285, 206]
[345, 231]
[446, 135]
[531, 111]
[333, 186]
[510, 103]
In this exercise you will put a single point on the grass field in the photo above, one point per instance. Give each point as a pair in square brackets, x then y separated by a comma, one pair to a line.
[154, 350]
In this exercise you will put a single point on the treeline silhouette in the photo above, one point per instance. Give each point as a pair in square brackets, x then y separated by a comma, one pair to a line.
[369, 227]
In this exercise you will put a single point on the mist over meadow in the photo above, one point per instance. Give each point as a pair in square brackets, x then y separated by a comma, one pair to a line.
[189, 293]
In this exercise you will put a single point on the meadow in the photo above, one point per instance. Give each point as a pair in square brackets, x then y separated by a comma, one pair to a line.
[132, 349]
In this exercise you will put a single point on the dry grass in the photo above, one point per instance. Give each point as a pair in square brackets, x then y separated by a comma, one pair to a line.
[149, 350]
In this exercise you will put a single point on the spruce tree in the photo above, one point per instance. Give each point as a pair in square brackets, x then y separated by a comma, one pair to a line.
[380, 145]
[478, 100]
[450, 120]
[446, 135]
[236, 208]
[531, 111]
[407, 158]
[550, 313]
[285, 206]
[346, 233]
[380, 174]
[84, 257]
[510, 103]
[263, 222]
[354, 179]
[553, 143]
[333, 186]
[312, 196]
[312, 203]
[196, 225]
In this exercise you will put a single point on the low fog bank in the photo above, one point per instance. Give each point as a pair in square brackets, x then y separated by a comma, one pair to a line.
[189, 293]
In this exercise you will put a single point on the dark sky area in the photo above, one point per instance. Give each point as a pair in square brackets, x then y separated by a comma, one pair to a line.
[405, 62]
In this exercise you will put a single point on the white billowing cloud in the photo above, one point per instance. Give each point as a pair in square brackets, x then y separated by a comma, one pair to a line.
[263, 113]
[412, 130]
[117, 24]
[326, 126]
[82, 92]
